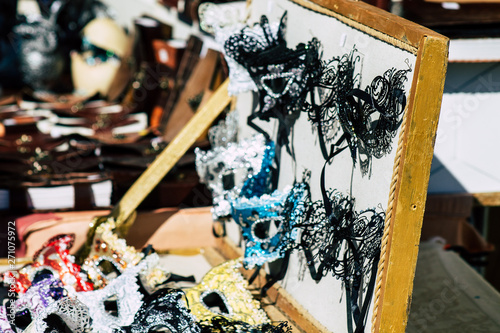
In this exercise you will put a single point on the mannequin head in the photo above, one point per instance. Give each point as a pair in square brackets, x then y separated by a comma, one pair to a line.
[102, 65]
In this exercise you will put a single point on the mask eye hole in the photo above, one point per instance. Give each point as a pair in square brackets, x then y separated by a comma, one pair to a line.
[228, 181]
[42, 275]
[160, 329]
[214, 302]
[261, 229]
[266, 228]
[23, 319]
[277, 85]
[108, 269]
[56, 324]
[111, 305]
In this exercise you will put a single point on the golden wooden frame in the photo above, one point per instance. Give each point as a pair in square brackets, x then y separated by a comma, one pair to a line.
[414, 154]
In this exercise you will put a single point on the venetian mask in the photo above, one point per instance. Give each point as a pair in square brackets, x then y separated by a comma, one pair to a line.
[101, 66]
[223, 292]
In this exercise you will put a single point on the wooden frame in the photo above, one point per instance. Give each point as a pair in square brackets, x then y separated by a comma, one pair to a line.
[413, 160]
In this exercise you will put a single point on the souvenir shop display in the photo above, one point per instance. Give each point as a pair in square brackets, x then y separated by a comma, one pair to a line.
[312, 129]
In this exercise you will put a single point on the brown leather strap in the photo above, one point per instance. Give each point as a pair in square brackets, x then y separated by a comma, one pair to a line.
[18, 199]
[84, 197]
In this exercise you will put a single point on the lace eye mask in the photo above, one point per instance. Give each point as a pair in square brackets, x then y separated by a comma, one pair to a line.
[333, 230]
[223, 292]
[163, 309]
[53, 259]
[122, 296]
[237, 169]
[369, 118]
[345, 243]
[282, 75]
[258, 217]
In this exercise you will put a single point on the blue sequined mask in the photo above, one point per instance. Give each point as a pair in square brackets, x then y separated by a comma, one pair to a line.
[237, 169]
[268, 223]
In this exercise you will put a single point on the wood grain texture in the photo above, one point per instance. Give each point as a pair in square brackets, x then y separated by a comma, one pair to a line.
[487, 199]
[398, 270]
[374, 21]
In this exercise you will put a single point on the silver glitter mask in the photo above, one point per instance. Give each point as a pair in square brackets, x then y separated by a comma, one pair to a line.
[125, 290]
[225, 132]
[41, 58]
[226, 169]
[223, 21]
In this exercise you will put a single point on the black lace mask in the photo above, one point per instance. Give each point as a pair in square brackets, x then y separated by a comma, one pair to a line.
[163, 309]
[331, 230]
[369, 118]
[282, 75]
[346, 244]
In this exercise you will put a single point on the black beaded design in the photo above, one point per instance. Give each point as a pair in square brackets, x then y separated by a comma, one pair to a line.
[221, 324]
[283, 76]
[163, 309]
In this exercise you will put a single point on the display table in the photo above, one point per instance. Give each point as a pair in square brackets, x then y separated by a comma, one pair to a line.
[449, 296]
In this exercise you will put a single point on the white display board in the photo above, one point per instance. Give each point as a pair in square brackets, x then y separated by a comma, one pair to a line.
[378, 52]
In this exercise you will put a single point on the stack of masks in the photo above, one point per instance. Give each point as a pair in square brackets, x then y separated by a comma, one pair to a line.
[117, 289]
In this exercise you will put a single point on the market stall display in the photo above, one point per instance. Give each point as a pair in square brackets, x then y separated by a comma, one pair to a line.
[320, 154]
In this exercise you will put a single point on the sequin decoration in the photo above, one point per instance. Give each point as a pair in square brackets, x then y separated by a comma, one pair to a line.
[225, 132]
[268, 223]
[227, 170]
[124, 292]
[163, 309]
[108, 248]
[260, 183]
[256, 217]
[39, 296]
[223, 292]
[53, 259]
[41, 56]
[223, 22]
